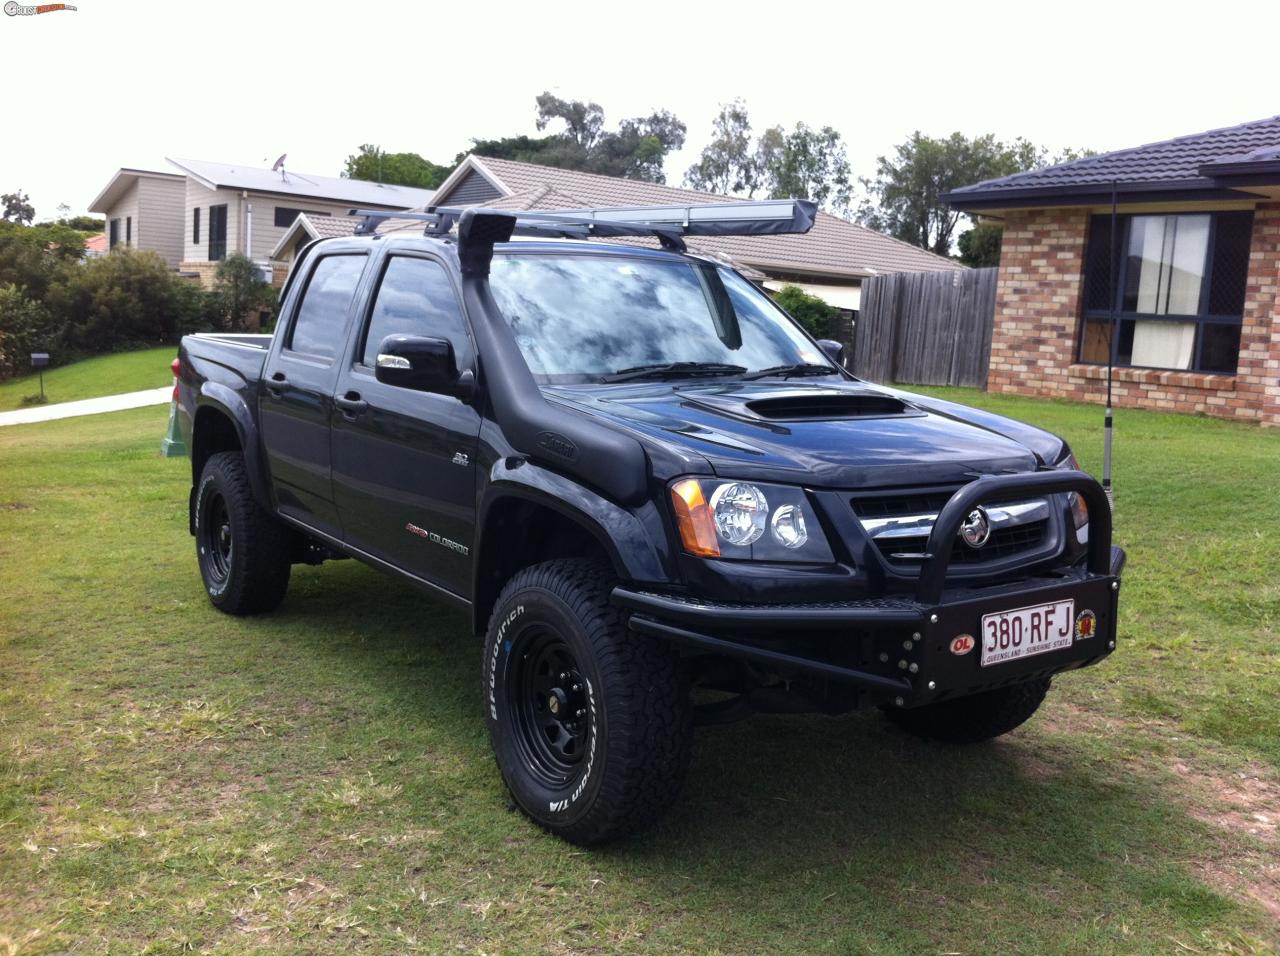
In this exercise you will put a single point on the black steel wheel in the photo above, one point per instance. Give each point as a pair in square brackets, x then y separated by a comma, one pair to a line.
[244, 552]
[216, 540]
[590, 724]
[548, 700]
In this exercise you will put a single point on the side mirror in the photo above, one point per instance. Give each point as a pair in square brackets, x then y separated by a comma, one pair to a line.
[423, 364]
[833, 350]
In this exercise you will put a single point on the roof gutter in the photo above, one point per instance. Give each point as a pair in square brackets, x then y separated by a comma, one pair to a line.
[1089, 194]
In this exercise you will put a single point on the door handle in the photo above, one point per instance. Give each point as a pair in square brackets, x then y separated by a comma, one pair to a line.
[278, 384]
[351, 404]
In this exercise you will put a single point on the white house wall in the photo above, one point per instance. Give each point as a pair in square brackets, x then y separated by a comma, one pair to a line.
[158, 224]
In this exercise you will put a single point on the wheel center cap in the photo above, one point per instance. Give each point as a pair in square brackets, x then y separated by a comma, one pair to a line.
[558, 702]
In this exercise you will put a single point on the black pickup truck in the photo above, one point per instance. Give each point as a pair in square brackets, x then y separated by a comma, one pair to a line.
[661, 501]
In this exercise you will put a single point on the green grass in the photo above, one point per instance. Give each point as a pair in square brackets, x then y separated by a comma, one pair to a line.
[91, 378]
[319, 780]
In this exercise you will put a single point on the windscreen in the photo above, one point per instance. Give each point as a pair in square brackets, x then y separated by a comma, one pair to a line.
[578, 318]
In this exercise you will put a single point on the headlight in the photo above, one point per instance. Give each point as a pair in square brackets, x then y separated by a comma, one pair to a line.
[1079, 510]
[746, 521]
[787, 525]
[739, 512]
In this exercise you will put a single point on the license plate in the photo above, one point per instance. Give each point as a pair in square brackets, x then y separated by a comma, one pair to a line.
[1026, 631]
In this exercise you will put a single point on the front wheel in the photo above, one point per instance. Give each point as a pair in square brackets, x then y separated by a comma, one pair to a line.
[244, 553]
[590, 723]
[978, 717]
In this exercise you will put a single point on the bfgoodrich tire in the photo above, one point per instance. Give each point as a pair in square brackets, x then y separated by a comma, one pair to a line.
[243, 551]
[979, 717]
[590, 724]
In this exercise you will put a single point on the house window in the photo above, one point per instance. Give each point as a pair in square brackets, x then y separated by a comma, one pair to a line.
[217, 232]
[195, 226]
[114, 236]
[128, 230]
[1178, 295]
[285, 216]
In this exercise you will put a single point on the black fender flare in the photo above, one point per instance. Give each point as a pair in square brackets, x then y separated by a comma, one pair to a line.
[223, 399]
[622, 535]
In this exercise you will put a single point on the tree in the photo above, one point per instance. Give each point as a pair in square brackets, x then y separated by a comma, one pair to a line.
[809, 310]
[636, 150]
[905, 196]
[17, 207]
[980, 246]
[728, 164]
[78, 223]
[805, 163]
[584, 122]
[374, 164]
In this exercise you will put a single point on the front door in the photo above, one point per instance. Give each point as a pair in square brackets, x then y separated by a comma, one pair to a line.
[296, 392]
[403, 460]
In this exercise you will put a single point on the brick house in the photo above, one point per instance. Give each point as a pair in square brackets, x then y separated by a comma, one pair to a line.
[1196, 284]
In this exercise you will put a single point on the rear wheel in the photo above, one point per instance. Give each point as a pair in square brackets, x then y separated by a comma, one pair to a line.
[590, 724]
[244, 553]
[978, 717]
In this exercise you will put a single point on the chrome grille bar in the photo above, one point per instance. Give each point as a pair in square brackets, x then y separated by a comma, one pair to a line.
[920, 525]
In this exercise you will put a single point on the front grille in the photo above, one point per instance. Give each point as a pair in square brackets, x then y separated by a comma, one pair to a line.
[1004, 543]
[1029, 538]
[889, 506]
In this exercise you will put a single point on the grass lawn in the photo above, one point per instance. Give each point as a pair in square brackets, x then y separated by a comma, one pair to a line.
[91, 378]
[319, 780]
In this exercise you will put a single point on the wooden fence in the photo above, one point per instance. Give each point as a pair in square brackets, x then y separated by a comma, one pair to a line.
[926, 328]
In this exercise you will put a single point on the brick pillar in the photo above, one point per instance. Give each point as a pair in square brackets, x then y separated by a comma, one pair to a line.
[1258, 375]
[1037, 302]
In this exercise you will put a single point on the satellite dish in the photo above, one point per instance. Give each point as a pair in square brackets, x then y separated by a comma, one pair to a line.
[279, 163]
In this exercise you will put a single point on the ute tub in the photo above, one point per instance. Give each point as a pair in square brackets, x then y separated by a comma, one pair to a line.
[899, 649]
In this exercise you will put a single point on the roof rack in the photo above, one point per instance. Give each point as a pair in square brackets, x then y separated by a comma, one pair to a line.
[479, 227]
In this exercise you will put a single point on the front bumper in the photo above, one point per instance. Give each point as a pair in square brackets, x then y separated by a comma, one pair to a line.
[898, 649]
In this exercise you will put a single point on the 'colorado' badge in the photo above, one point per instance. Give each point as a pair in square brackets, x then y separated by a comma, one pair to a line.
[1086, 624]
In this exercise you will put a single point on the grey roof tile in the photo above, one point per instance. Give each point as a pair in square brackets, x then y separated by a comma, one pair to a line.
[1176, 162]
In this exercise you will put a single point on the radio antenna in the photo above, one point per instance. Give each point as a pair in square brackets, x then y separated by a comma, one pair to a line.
[1111, 351]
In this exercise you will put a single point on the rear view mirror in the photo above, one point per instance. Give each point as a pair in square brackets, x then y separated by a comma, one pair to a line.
[423, 364]
[833, 350]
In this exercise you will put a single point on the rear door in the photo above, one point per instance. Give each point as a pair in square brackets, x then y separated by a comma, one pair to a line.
[403, 460]
[296, 392]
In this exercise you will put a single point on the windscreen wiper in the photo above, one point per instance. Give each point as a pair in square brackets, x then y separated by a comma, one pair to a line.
[800, 368]
[672, 370]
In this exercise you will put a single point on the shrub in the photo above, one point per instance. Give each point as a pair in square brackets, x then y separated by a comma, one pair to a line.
[25, 327]
[125, 299]
[810, 311]
[239, 293]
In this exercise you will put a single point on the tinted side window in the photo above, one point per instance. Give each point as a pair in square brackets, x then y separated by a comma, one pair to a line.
[415, 297]
[322, 317]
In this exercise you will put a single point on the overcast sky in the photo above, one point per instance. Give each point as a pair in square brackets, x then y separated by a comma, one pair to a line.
[129, 82]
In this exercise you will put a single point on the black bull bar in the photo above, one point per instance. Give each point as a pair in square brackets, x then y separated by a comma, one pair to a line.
[918, 629]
